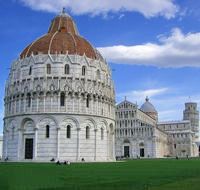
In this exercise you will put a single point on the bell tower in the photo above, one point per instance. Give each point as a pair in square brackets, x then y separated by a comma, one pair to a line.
[191, 113]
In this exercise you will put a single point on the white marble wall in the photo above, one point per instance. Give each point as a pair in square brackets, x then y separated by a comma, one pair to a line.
[97, 148]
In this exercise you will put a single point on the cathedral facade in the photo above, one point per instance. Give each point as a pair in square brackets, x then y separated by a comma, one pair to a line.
[59, 100]
[140, 134]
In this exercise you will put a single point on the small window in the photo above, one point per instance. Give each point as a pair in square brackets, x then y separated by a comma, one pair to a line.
[48, 69]
[30, 70]
[67, 71]
[68, 131]
[88, 101]
[102, 134]
[62, 99]
[47, 131]
[175, 146]
[83, 70]
[87, 132]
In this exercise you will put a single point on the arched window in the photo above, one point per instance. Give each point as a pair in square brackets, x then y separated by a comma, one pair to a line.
[47, 131]
[68, 131]
[98, 75]
[83, 70]
[62, 99]
[87, 132]
[48, 69]
[67, 70]
[30, 70]
[29, 100]
[102, 134]
[88, 101]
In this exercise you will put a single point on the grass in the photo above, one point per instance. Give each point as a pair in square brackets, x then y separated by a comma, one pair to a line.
[130, 175]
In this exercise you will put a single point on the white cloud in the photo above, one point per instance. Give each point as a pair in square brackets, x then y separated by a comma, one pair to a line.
[176, 50]
[149, 8]
[140, 95]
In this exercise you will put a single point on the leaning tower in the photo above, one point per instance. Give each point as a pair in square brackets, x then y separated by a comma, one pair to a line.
[191, 113]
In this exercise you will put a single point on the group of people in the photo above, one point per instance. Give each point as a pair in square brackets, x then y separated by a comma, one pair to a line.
[58, 162]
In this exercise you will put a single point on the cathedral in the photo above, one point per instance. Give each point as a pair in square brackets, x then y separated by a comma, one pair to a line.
[59, 100]
[60, 105]
[139, 134]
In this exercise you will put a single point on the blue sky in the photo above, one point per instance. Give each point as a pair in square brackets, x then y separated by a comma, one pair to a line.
[152, 46]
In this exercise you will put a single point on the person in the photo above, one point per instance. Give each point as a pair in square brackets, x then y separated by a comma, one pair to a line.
[83, 160]
[52, 160]
[58, 162]
[68, 163]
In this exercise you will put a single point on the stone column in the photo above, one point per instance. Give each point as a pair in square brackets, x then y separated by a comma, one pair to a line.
[95, 144]
[19, 104]
[31, 107]
[78, 144]
[35, 143]
[25, 97]
[108, 145]
[44, 99]
[37, 96]
[19, 146]
[113, 145]
[5, 144]
[58, 143]
[58, 102]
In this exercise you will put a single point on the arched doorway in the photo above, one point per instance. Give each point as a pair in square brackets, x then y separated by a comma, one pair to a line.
[28, 136]
[141, 147]
[126, 147]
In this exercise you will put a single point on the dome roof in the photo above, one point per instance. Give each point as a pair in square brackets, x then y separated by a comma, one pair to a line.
[62, 38]
[147, 107]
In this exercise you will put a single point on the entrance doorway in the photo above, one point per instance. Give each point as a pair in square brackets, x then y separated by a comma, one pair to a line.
[29, 148]
[126, 151]
[141, 152]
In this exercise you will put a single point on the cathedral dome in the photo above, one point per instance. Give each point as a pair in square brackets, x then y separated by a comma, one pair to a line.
[62, 38]
[148, 107]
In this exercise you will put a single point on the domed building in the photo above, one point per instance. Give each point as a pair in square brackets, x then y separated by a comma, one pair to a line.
[149, 109]
[59, 100]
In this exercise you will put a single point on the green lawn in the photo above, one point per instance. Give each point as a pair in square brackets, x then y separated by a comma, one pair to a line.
[136, 174]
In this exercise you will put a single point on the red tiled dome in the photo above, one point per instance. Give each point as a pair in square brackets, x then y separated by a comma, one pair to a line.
[61, 38]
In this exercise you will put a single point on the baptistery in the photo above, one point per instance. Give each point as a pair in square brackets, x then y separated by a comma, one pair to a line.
[59, 100]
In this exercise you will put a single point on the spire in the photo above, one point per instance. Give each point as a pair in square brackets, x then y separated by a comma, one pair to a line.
[125, 98]
[147, 99]
[63, 12]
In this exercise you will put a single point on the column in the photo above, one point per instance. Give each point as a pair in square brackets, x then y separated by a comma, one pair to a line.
[58, 102]
[35, 143]
[31, 108]
[51, 97]
[108, 145]
[58, 143]
[78, 144]
[95, 144]
[19, 146]
[25, 97]
[19, 104]
[113, 145]
[44, 102]
[37, 96]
